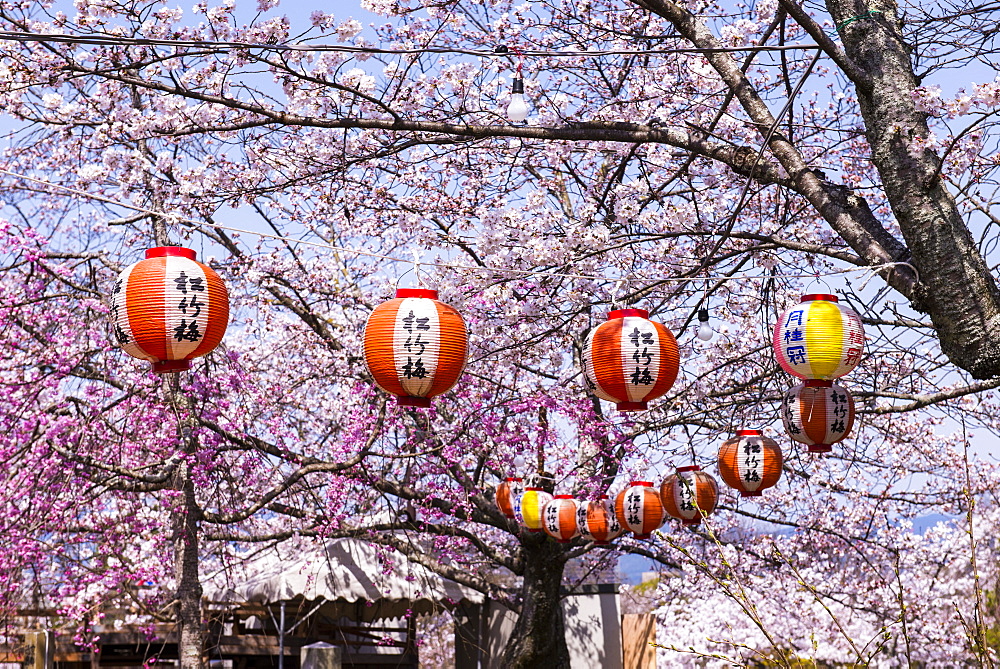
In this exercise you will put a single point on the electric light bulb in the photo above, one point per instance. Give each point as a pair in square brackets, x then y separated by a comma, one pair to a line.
[704, 329]
[519, 462]
[517, 110]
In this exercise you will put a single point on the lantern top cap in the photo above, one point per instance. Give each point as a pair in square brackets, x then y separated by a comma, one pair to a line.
[748, 433]
[514, 478]
[535, 489]
[819, 296]
[564, 497]
[429, 293]
[171, 251]
[647, 484]
[624, 313]
[817, 383]
[689, 468]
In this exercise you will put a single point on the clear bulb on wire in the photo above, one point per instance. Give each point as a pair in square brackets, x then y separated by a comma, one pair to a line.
[517, 110]
[704, 329]
[518, 462]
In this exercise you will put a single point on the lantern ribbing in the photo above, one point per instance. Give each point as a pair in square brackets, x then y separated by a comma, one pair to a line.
[169, 308]
[750, 462]
[415, 346]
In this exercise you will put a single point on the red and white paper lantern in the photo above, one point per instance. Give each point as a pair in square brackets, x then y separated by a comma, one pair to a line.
[597, 521]
[819, 338]
[639, 509]
[630, 360]
[750, 462]
[415, 346]
[169, 308]
[508, 496]
[559, 518]
[689, 494]
[818, 413]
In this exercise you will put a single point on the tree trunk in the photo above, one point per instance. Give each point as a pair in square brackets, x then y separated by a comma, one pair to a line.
[190, 642]
[958, 291]
[539, 636]
[186, 519]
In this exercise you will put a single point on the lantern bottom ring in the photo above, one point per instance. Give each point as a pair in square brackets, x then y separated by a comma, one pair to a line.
[411, 401]
[602, 543]
[693, 521]
[171, 366]
[643, 536]
[751, 493]
[819, 448]
[632, 406]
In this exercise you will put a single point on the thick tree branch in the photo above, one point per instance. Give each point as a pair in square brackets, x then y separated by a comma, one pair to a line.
[846, 213]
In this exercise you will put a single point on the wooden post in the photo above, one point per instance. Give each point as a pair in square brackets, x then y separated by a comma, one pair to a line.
[638, 631]
[42, 648]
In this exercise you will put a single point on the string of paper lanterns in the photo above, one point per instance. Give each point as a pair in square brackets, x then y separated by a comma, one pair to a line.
[169, 309]
[689, 495]
[818, 340]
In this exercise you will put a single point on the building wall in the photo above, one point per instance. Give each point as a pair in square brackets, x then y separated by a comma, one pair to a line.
[593, 629]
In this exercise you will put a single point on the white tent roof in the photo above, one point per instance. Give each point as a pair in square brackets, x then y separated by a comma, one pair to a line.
[377, 582]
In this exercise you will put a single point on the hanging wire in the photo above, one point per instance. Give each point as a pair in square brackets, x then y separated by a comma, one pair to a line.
[113, 40]
[175, 218]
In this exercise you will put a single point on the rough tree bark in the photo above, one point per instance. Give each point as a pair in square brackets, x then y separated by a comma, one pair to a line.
[188, 595]
[539, 636]
[955, 288]
[958, 291]
[186, 526]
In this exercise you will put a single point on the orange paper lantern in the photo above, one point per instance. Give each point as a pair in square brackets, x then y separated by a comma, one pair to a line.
[597, 521]
[533, 501]
[639, 509]
[689, 494]
[559, 518]
[415, 346]
[630, 360]
[508, 496]
[818, 413]
[169, 308]
[750, 462]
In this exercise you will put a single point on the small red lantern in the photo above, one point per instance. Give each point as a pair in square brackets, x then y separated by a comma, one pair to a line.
[533, 501]
[559, 518]
[508, 496]
[818, 413]
[630, 359]
[750, 462]
[415, 346]
[819, 338]
[639, 509]
[689, 494]
[169, 308]
[597, 521]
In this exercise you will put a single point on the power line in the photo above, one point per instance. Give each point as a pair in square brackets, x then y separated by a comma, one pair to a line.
[872, 270]
[97, 39]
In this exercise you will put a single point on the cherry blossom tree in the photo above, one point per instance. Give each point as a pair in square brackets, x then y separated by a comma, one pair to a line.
[676, 156]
